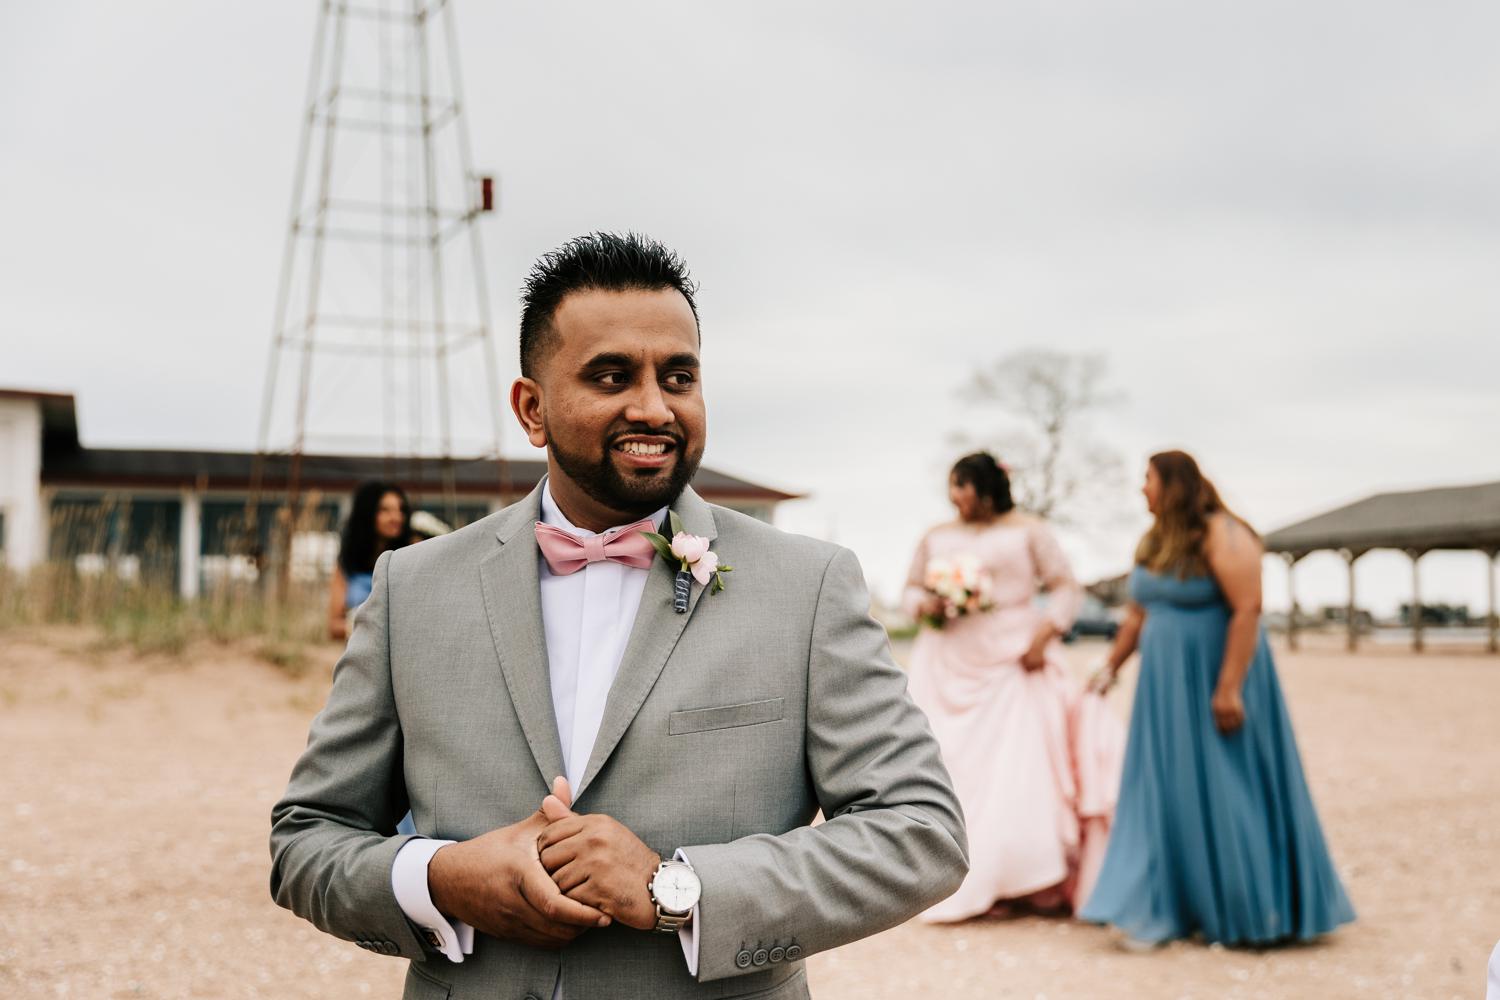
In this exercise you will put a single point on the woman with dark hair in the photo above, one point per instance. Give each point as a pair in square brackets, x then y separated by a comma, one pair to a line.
[1035, 770]
[1216, 833]
[379, 519]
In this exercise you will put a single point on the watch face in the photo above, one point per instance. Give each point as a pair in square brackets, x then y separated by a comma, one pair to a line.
[676, 888]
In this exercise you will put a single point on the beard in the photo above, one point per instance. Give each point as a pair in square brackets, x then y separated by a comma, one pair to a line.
[636, 495]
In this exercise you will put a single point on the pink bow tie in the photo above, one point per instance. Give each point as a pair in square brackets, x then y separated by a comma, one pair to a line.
[567, 553]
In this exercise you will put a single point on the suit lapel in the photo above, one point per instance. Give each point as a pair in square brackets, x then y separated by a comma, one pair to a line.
[652, 638]
[512, 601]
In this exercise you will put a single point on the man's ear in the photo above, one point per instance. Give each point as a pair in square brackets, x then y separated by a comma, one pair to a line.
[526, 401]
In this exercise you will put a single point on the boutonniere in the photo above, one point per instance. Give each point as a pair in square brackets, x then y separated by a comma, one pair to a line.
[694, 561]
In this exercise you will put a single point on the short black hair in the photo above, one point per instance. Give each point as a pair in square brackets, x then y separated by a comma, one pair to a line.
[603, 261]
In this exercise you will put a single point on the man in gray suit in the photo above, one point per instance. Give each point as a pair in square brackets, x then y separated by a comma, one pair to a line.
[598, 742]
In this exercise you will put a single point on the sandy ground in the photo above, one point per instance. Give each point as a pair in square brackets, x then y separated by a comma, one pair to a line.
[137, 794]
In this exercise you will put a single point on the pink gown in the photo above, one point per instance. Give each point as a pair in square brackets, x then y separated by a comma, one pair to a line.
[1034, 760]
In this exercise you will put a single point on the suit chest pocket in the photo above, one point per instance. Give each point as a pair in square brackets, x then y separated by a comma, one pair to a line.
[702, 720]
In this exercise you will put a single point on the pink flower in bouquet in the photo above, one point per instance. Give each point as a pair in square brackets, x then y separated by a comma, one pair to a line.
[962, 584]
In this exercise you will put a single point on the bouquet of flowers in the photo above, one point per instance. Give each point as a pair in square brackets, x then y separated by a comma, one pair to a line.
[962, 584]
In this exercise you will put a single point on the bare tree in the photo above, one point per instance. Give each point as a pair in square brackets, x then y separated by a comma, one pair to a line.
[1047, 400]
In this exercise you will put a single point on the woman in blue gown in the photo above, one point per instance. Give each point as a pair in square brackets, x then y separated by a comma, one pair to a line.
[379, 519]
[1215, 832]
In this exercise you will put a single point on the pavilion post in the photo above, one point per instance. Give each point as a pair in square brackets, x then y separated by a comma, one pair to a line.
[1291, 593]
[1492, 621]
[1350, 557]
[189, 544]
[1416, 599]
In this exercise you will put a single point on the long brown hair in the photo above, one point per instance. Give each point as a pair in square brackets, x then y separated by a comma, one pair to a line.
[1188, 500]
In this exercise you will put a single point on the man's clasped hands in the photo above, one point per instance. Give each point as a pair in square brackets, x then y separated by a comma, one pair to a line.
[547, 879]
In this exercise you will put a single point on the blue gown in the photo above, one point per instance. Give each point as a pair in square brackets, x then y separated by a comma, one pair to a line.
[1213, 834]
[357, 589]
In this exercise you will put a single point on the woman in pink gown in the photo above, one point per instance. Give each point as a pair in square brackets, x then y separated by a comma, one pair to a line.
[1035, 761]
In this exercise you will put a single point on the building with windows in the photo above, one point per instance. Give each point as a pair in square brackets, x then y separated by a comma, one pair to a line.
[183, 514]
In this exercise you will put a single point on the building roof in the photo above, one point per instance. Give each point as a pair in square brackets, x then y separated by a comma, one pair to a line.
[59, 415]
[66, 463]
[114, 468]
[1453, 517]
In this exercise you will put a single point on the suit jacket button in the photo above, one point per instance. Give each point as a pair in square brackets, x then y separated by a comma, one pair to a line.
[391, 948]
[778, 953]
[742, 960]
[761, 956]
[793, 952]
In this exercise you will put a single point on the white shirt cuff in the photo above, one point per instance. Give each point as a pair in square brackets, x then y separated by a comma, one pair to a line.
[688, 936]
[409, 882]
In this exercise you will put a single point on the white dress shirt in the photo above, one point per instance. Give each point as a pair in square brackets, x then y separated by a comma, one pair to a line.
[586, 617]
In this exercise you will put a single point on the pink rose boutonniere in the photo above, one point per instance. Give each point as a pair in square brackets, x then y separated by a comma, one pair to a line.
[694, 562]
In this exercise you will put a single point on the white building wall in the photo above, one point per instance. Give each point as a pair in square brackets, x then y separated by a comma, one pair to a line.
[20, 482]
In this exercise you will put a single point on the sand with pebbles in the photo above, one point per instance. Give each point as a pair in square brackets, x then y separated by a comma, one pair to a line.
[137, 794]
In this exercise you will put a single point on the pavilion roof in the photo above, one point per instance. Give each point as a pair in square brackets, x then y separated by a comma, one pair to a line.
[1450, 517]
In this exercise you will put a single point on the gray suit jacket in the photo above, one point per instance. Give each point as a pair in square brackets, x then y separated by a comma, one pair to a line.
[726, 730]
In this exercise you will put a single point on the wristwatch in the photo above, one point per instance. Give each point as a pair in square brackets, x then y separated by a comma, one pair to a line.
[675, 889]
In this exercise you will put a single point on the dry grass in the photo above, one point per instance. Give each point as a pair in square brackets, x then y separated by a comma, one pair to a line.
[149, 619]
[123, 588]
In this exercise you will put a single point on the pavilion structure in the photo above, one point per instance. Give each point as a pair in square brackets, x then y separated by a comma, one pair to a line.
[1464, 518]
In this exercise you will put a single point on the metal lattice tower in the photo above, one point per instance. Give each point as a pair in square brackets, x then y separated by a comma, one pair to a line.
[382, 341]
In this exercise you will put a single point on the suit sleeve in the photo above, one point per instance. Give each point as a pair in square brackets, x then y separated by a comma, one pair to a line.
[333, 834]
[893, 843]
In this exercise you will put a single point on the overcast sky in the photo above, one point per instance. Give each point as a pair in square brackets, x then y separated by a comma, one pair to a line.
[1279, 221]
